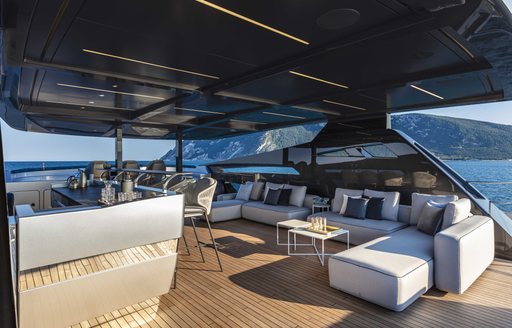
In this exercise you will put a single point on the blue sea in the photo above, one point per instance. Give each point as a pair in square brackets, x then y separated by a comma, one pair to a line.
[481, 171]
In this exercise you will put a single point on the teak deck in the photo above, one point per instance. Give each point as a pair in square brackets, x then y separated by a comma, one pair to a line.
[263, 287]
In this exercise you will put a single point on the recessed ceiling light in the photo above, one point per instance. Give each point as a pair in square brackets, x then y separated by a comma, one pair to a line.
[319, 80]
[252, 21]
[148, 63]
[284, 115]
[426, 91]
[110, 91]
[342, 104]
[91, 102]
[199, 110]
[82, 107]
[114, 85]
[102, 95]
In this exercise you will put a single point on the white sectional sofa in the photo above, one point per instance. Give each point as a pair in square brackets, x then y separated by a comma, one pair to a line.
[228, 208]
[394, 269]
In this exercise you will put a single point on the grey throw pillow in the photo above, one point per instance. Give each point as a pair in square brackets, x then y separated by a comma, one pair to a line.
[257, 190]
[244, 192]
[356, 207]
[431, 218]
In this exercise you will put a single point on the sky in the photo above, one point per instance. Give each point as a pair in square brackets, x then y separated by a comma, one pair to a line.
[496, 112]
[32, 146]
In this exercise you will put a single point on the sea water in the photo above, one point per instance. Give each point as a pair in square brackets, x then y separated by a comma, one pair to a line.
[479, 172]
[473, 170]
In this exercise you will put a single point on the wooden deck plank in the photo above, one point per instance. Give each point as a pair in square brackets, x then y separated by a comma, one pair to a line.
[263, 287]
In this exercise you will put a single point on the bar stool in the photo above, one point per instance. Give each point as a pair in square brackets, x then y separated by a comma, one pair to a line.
[198, 203]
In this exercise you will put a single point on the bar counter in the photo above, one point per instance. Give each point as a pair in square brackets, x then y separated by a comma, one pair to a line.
[63, 196]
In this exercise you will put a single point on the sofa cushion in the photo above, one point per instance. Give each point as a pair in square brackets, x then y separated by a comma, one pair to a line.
[298, 194]
[430, 218]
[284, 197]
[270, 185]
[226, 210]
[356, 207]
[362, 231]
[391, 202]
[257, 190]
[272, 197]
[374, 208]
[388, 255]
[244, 192]
[271, 214]
[345, 202]
[385, 226]
[456, 212]
[385, 272]
[338, 197]
[419, 200]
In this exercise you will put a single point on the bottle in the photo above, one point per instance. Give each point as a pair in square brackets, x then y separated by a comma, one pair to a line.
[82, 179]
[127, 183]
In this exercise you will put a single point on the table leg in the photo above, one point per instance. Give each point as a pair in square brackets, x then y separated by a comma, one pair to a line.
[348, 239]
[277, 234]
[323, 259]
[288, 243]
[294, 241]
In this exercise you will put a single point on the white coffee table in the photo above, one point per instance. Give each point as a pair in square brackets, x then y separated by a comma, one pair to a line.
[314, 236]
[291, 224]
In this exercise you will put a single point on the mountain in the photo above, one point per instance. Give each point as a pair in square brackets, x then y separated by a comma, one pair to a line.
[254, 143]
[456, 138]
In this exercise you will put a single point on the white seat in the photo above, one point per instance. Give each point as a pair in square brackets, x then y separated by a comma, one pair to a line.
[391, 271]
[226, 210]
[271, 214]
[362, 231]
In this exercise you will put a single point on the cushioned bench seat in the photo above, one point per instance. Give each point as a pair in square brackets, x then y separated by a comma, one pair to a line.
[385, 272]
[362, 231]
[271, 214]
[226, 210]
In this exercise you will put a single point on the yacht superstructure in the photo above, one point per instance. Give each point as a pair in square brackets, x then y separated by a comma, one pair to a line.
[199, 70]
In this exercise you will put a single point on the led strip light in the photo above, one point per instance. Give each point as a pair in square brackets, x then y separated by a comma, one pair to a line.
[342, 104]
[252, 21]
[319, 80]
[148, 63]
[426, 91]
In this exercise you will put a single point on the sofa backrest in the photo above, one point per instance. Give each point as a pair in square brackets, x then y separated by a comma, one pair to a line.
[404, 213]
[309, 200]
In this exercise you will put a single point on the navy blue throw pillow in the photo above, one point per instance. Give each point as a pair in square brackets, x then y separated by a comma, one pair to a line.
[374, 208]
[272, 197]
[356, 207]
[284, 197]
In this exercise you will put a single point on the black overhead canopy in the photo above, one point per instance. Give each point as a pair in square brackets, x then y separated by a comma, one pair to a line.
[210, 69]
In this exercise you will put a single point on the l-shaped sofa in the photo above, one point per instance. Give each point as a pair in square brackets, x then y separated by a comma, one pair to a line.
[393, 262]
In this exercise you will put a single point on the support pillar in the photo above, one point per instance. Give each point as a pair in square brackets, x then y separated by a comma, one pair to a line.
[7, 311]
[285, 157]
[119, 147]
[179, 152]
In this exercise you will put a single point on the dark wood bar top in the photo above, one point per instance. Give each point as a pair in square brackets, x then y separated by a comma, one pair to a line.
[87, 196]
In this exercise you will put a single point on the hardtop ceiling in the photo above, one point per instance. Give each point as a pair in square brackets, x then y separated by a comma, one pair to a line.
[210, 69]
